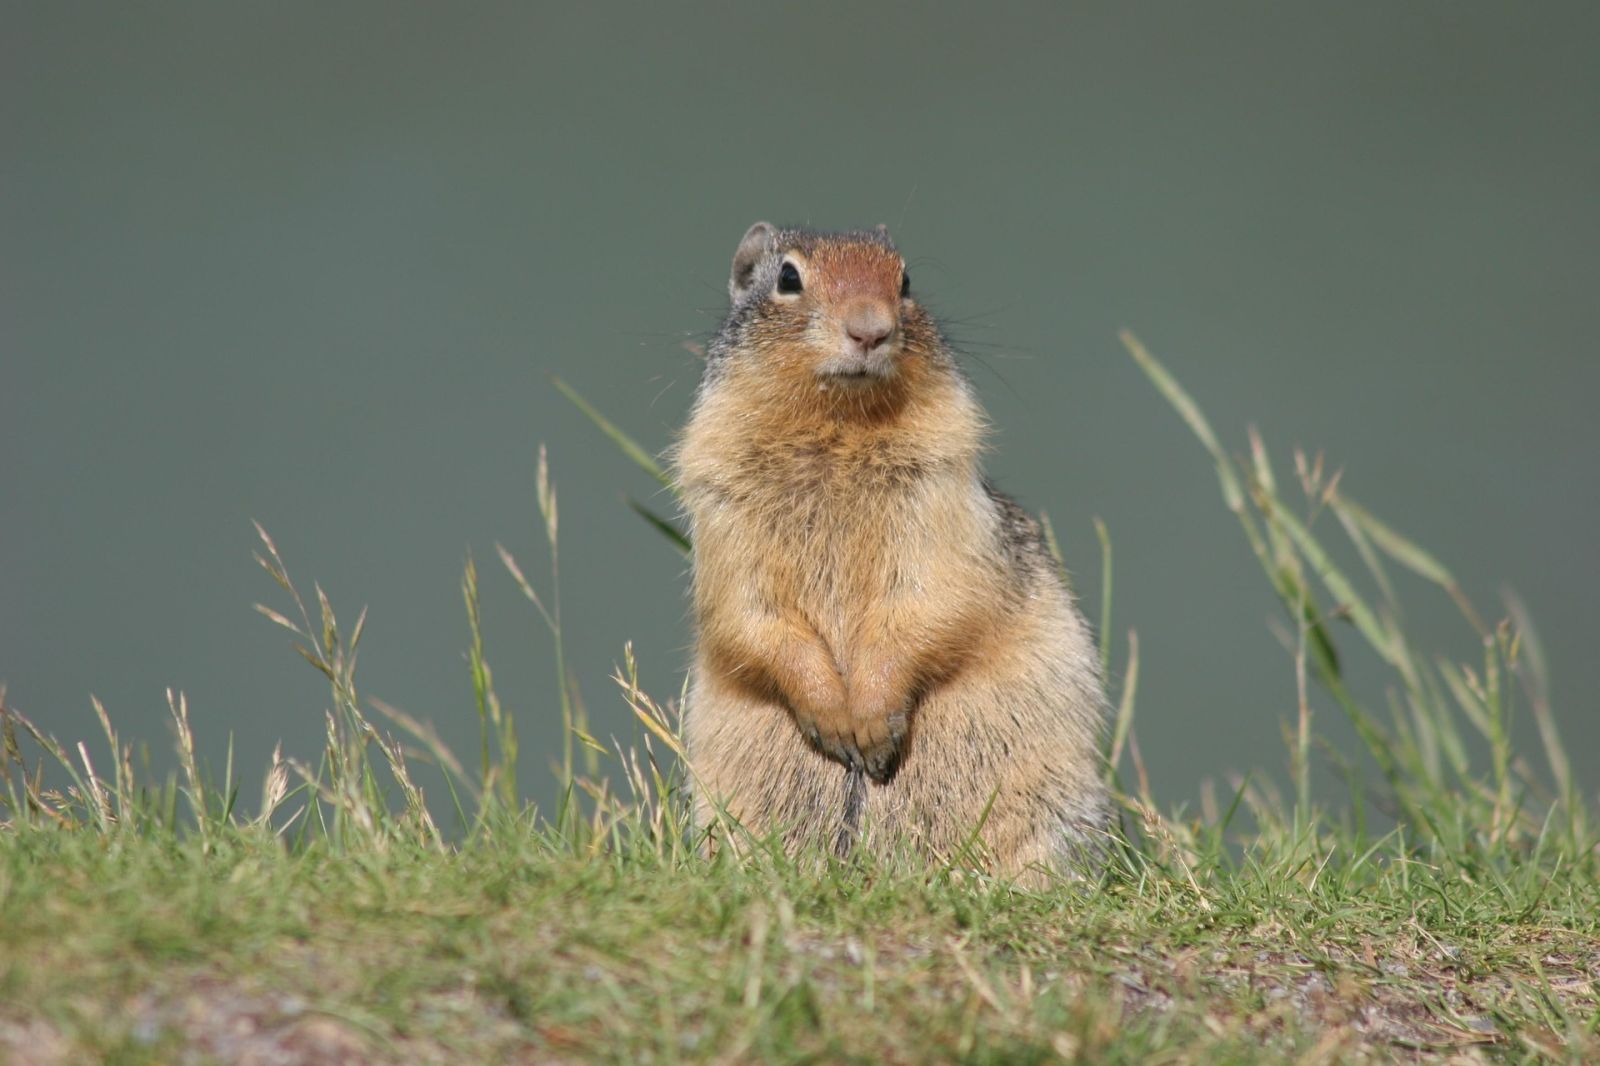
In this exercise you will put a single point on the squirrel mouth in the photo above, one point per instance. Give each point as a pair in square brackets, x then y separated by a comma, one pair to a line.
[856, 372]
[855, 378]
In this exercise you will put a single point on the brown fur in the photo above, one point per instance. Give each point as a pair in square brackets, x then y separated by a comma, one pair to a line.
[867, 606]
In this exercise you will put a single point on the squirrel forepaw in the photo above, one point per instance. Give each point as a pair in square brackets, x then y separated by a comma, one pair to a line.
[838, 745]
[873, 746]
[882, 744]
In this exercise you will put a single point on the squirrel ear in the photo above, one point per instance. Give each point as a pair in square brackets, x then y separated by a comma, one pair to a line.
[758, 241]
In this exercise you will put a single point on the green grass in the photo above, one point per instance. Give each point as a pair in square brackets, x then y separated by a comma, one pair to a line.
[336, 921]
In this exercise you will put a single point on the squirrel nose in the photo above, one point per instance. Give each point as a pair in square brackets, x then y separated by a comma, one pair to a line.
[869, 325]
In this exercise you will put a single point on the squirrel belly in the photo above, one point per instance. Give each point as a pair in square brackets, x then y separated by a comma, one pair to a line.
[885, 652]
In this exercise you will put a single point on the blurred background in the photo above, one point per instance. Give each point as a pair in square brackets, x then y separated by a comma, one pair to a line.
[315, 265]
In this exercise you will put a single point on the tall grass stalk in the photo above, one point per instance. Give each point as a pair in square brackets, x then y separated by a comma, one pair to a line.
[1437, 704]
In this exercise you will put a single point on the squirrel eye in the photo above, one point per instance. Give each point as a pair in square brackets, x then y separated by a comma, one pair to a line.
[789, 278]
[905, 284]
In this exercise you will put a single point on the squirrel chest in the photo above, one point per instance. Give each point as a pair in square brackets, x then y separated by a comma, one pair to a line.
[839, 526]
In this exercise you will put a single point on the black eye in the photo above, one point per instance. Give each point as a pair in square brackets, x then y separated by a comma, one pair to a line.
[789, 278]
[905, 285]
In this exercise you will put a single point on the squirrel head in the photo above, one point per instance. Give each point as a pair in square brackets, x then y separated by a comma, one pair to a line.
[828, 312]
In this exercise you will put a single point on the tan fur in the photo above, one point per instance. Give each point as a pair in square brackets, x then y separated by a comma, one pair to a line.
[862, 598]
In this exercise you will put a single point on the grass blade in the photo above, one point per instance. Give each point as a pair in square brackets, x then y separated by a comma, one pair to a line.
[663, 526]
[629, 446]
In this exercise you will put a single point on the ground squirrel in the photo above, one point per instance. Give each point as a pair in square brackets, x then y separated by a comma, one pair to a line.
[884, 645]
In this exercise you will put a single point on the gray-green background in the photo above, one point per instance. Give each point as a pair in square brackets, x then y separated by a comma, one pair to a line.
[313, 264]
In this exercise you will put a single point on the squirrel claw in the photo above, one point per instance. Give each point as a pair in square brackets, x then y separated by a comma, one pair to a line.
[846, 753]
[883, 758]
[882, 763]
[834, 747]
[876, 753]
